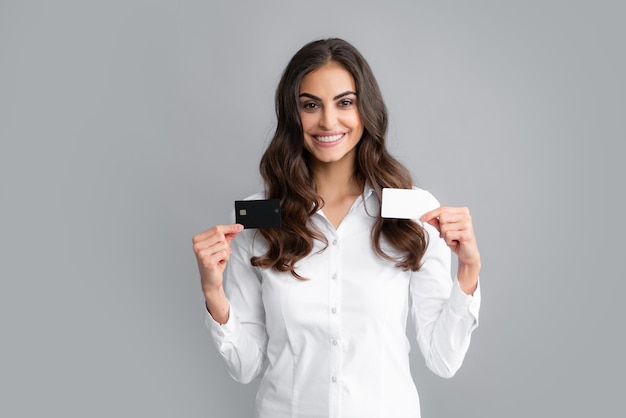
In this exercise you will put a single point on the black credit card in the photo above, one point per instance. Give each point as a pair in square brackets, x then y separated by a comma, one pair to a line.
[258, 213]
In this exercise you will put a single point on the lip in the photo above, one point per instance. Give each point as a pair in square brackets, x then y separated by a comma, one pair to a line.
[330, 139]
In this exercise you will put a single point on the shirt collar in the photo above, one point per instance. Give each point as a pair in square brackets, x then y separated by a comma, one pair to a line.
[367, 190]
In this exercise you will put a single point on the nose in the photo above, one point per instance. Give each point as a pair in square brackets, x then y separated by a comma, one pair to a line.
[328, 118]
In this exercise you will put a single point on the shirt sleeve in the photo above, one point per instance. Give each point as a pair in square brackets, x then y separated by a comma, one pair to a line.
[444, 316]
[241, 342]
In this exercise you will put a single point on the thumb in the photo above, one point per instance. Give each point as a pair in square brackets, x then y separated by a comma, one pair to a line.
[231, 231]
[432, 218]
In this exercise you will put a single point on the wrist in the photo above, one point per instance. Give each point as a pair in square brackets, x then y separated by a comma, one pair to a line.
[217, 304]
[472, 269]
[212, 292]
[467, 275]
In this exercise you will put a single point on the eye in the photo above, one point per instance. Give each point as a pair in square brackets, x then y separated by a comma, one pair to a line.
[309, 106]
[345, 102]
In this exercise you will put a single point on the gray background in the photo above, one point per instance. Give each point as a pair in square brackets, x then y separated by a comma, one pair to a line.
[128, 126]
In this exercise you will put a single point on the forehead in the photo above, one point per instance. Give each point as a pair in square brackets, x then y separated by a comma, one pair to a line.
[331, 78]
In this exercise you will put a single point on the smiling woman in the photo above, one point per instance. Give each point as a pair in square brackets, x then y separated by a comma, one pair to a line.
[329, 114]
[317, 309]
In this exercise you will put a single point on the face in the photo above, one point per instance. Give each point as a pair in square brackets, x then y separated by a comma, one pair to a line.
[329, 114]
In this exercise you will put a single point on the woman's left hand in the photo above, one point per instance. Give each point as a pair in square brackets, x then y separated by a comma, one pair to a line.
[455, 227]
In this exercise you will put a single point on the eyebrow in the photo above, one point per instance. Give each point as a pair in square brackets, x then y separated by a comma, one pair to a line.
[339, 96]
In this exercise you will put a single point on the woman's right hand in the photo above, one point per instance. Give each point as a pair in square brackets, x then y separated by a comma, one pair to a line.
[212, 249]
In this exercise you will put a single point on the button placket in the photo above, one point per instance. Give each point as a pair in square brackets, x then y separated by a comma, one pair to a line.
[334, 321]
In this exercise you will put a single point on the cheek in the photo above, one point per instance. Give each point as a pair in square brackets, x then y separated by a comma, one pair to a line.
[355, 121]
[308, 144]
[307, 121]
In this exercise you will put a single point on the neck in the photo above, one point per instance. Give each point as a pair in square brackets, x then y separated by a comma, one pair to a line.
[335, 180]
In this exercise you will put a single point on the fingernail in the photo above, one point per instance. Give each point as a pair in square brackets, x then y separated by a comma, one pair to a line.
[239, 227]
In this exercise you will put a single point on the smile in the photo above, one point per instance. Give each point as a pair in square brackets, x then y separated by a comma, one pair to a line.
[327, 139]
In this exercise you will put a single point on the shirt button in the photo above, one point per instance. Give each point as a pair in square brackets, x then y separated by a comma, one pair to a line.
[334, 276]
[334, 242]
[334, 378]
[335, 342]
[334, 310]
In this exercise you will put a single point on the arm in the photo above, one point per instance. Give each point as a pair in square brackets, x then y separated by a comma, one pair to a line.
[445, 312]
[455, 228]
[236, 323]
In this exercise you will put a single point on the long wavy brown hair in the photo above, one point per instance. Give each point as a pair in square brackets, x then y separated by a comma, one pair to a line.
[287, 173]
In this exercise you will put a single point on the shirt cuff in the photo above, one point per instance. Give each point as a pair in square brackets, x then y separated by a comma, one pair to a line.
[464, 304]
[222, 333]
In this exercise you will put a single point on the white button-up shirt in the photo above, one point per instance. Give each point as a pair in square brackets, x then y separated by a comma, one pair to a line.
[335, 345]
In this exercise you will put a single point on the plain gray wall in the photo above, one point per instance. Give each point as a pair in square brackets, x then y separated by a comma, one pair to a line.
[128, 126]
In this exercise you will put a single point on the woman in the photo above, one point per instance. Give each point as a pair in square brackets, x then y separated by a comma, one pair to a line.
[318, 308]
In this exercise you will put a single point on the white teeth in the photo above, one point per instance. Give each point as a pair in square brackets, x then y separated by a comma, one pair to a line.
[332, 138]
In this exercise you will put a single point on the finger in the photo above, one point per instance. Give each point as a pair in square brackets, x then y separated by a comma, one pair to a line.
[203, 235]
[211, 257]
[451, 218]
[432, 218]
[448, 227]
[455, 209]
[234, 230]
[217, 242]
[204, 247]
[430, 215]
[435, 223]
[444, 211]
[228, 230]
[456, 237]
[210, 242]
[464, 246]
